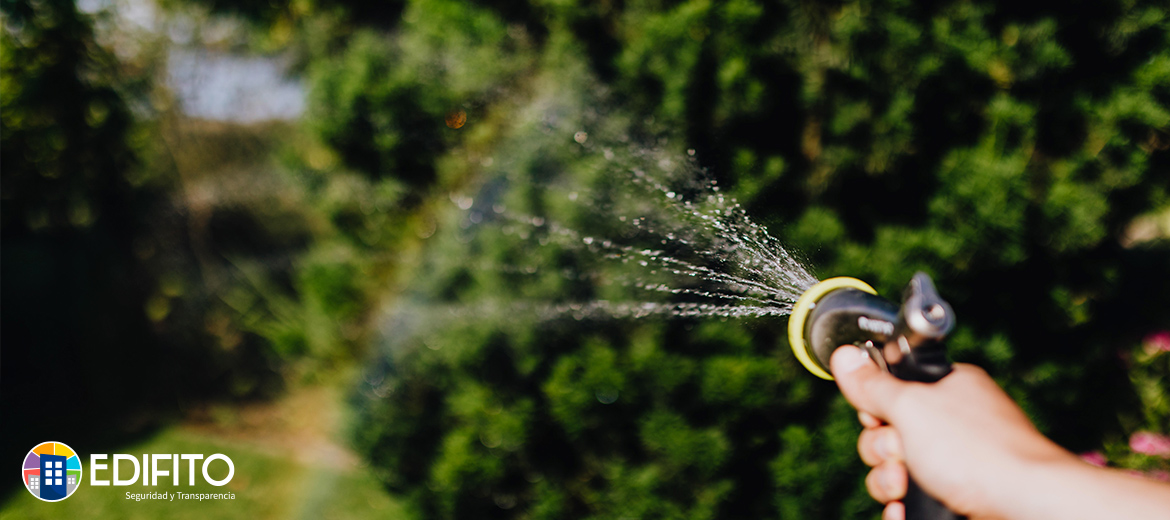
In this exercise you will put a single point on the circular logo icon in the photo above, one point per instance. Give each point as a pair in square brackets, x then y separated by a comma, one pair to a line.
[52, 471]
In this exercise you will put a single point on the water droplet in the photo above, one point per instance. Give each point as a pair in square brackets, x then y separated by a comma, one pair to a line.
[742, 271]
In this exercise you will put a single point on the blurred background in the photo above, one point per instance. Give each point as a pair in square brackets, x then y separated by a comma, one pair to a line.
[281, 230]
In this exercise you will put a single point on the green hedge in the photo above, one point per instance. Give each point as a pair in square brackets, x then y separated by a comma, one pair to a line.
[1004, 147]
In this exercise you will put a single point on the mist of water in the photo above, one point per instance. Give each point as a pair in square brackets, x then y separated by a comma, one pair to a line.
[672, 234]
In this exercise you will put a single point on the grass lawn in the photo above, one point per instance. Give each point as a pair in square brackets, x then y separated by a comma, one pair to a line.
[287, 465]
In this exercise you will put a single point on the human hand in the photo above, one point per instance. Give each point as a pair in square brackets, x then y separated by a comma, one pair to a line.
[964, 440]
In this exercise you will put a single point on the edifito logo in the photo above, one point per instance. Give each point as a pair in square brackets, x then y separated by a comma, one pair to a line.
[151, 471]
[52, 471]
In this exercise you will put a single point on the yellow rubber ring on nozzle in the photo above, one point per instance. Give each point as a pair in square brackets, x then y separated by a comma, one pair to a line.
[800, 313]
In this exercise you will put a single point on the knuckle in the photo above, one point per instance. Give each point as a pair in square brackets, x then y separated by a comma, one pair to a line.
[888, 445]
[887, 481]
[874, 488]
[969, 372]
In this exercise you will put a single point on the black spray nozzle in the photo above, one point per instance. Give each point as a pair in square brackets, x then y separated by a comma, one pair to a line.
[906, 339]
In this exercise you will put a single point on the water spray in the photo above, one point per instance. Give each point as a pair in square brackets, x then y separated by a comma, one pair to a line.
[906, 341]
[690, 239]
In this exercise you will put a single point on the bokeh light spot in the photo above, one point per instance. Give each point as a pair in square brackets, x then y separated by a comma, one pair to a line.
[456, 119]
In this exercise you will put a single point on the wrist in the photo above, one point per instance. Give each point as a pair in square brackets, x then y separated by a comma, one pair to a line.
[1035, 485]
[1058, 485]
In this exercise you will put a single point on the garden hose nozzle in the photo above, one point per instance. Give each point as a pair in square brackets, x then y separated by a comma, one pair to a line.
[904, 340]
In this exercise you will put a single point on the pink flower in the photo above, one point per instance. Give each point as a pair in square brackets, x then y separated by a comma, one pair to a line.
[1157, 342]
[1095, 458]
[1150, 444]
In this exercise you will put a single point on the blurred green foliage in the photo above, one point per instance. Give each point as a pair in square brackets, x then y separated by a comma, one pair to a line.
[154, 261]
[89, 271]
[1004, 147]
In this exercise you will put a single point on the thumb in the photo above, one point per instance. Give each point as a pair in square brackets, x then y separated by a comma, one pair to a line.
[864, 385]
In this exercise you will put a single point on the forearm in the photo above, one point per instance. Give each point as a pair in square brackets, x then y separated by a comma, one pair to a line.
[1066, 488]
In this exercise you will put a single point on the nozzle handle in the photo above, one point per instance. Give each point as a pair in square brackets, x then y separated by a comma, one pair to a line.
[927, 369]
[918, 354]
[921, 506]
